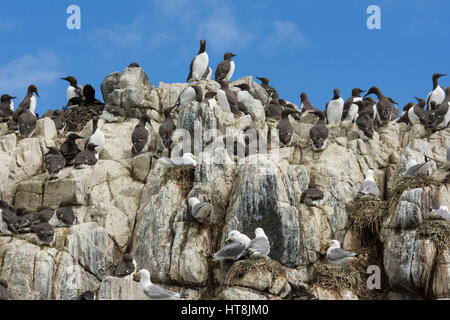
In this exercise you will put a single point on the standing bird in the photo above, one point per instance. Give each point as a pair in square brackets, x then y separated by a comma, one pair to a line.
[27, 122]
[271, 91]
[305, 103]
[58, 119]
[167, 129]
[54, 162]
[419, 170]
[6, 108]
[285, 128]
[65, 214]
[126, 267]
[369, 186]
[74, 91]
[334, 108]
[29, 102]
[438, 94]
[69, 148]
[350, 108]
[89, 96]
[97, 138]
[113, 113]
[236, 249]
[208, 74]
[404, 115]
[371, 107]
[45, 232]
[418, 115]
[273, 109]
[340, 257]
[441, 114]
[153, 291]
[260, 246]
[225, 69]
[319, 133]
[199, 210]
[385, 112]
[190, 94]
[228, 100]
[199, 64]
[312, 196]
[141, 136]
[364, 121]
[86, 158]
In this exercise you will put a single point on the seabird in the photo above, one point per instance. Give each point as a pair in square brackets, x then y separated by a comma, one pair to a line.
[369, 186]
[226, 68]
[97, 138]
[199, 64]
[45, 233]
[153, 291]
[188, 160]
[364, 121]
[58, 119]
[418, 115]
[65, 214]
[69, 148]
[371, 107]
[54, 162]
[305, 103]
[273, 109]
[45, 214]
[74, 91]
[441, 114]
[312, 196]
[199, 210]
[25, 219]
[285, 128]
[27, 122]
[334, 108]
[86, 158]
[289, 106]
[404, 115]
[6, 107]
[236, 249]
[141, 136]
[245, 94]
[134, 65]
[4, 293]
[438, 94]
[113, 113]
[338, 256]
[350, 108]
[385, 110]
[271, 91]
[260, 246]
[8, 219]
[126, 267]
[167, 128]
[208, 74]
[319, 133]
[441, 213]
[228, 100]
[190, 94]
[421, 169]
[29, 102]
[89, 95]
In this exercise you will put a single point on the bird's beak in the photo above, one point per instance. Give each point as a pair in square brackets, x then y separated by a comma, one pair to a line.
[366, 94]
[234, 55]
[13, 98]
[136, 277]
[227, 239]
[37, 93]
[376, 178]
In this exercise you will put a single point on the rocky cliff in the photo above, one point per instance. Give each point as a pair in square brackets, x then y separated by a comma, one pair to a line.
[133, 204]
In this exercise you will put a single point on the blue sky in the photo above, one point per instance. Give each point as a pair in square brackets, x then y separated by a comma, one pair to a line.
[310, 46]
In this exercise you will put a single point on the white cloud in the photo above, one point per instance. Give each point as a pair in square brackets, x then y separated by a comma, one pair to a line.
[40, 69]
[285, 33]
[6, 25]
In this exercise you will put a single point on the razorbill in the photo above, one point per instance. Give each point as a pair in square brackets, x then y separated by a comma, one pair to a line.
[190, 94]
[438, 94]
[350, 108]
[340, 257]
[369, 186]
[74, 91]
[187, 160]
[273, 109]
[334, 108]
[86, 158]
[259, 247]
[236, 249]
[305, 104]
[140, 138]
[152, 291]
[6, 107]
[417, 113]
[441, 114]
[69, 149]
[199, 64]
[167, 128]
[225, 69]
[54, 162]
[285, 128]
[97, 138]
[113, 113]
[200, 210]
[27, 122]
[385, 109]
[271, 91]
[126, 268]
[65, 214]
[319, 133]
[312, 196]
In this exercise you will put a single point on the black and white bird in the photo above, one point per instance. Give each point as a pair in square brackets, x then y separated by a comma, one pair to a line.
[441, 114]
[335, 108]
[97, 137]
[259, 247]
[369, 186]
[438, 94]
[126, 268]
[237, 247]
[27, 122]
[404, 118]
[312, 196]
[340, 257]
[25, 219]
[74, 91]
[418, 115]
[6, 107]
[285, 128]
[30, 101]
[350, 108]
[8, 219]
[86, 158]
[208, 74]
[59, 120]
[54, 162]
[190, 94]
[200, 210]
[273, 109]
[319, 133]
[420, 169]
[371, 107]
[364, 121]
[152, 291]
[225, 69]
[385, 109]
[167, 129]
[45, 214]
[113, 113]
[69, 149]
[199, 64]
[271, 91]
[45, 232]
[305, 104]
[65, 214]
[228, 100]
[140, 138]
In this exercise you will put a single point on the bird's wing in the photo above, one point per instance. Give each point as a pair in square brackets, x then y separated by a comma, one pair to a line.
[222, 70]
[156, 292]
[260, 245]
[338, 254]
[233, 250]
[369, 187]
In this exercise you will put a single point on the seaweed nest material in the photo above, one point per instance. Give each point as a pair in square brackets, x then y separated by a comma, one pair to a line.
[437, 231]
[241, 268]
[184, 177]
[78, 116]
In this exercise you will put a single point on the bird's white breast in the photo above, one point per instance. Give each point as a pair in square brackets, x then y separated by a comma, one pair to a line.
[437, 95]
[334, 112]
[200, 64]
[11, 105]
[413, 118]
[71, 93]
[98, 138]
[231, 72]
[33, 103]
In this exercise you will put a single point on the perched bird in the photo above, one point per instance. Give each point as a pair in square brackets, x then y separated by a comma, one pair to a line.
[305, 103]
[245, 94]
[419, 170]
[188, 160]
[6, 107]
[369, 186]
[141, 136]
[126, 268]
[418, 115]
[74, 91]
[350, 108]
[225, 69]
[441, 213]
[404, 117]
[312, 196]
[45, 214]
[89, 96]
[58, 118]
[334, 108]
[236, 249]
[167, 128]
[441, 114]
[25, 219]
[438, 94]
[338, 256]
[271, 91]
[86, 158]
[208, 74]
[199, 64]
[54, 162]
[69, 148]
[190, 94]
[289, 106]
[260, 246]
[364, 122]
[153, 291]
[319, 133]
[8, 219]
[228, 100]
[29, 102]
[65, 214]
[45, 233]
[371, 107]
[199, 210]
[4, 293]
[97, 138]
[27, 122]
[273, 109]
[113, 113]
[385, 110]
[285, 128]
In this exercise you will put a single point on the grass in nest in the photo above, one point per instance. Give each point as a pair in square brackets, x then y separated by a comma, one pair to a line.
[184, 177]
[78, 116]
[241, 268]
[437, 231]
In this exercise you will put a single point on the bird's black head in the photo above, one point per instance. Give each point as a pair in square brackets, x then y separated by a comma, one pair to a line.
[74, 136]
[336, 93]
[373, 90]
[282, 102]
[91, 147]
[228, 55]
[146, 119]
[303, 96]
[357, 92]
[127, 258]
[243, 86]
[134, 65]
[33, 89]
[210, 94]
[72, 80]
[264, 81]
[6, 98]
[438, 75]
